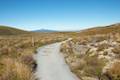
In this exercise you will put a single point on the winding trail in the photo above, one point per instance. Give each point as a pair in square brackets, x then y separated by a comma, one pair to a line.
[51, 64]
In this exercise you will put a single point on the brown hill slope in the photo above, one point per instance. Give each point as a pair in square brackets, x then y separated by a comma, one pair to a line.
[5, 30]
[102, 30]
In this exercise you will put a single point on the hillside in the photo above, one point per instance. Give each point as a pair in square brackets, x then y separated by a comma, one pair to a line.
[94, 54]
[101, 30]
[5, 30]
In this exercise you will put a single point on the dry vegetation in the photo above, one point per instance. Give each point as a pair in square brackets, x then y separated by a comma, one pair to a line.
[91, 52]
[16, 54]
[114, 71]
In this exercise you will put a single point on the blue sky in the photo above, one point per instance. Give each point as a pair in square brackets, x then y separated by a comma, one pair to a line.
[59, 14]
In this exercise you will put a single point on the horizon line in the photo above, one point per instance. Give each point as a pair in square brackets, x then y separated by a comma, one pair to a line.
[83, 28]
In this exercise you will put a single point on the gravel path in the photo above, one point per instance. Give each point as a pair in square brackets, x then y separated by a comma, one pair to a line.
[51, 64]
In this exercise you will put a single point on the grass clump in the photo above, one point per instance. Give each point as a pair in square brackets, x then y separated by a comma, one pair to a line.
[114, 71]
[94, 66]
[15, 70]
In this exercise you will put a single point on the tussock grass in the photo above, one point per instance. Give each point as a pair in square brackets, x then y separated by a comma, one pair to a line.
[114, 71]
[15, 70]
[103, 49]
[16, 54]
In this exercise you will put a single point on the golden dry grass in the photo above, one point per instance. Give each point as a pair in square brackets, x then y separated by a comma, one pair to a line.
[15, 70]
[92, 66]
[16, 54]
[16, 61]
[114, 71]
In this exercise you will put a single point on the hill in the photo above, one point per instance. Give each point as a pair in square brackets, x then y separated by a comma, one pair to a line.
[6, 30]
[102, 30]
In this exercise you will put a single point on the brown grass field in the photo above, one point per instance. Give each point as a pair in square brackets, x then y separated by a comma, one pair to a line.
[16, 54]
[18, 47]
[94, 54]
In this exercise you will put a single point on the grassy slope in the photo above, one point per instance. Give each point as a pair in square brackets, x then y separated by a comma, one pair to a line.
[101, 30]
[5, 30]
[91, 66]
[17, 51]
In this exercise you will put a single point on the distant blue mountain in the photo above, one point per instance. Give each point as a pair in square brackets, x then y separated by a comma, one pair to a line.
[44, 30]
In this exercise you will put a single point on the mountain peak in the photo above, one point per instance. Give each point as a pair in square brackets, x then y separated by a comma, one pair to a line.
[44, 30]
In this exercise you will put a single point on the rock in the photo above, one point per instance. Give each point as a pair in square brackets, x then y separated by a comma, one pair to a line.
[89, 78]
[80, 49]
